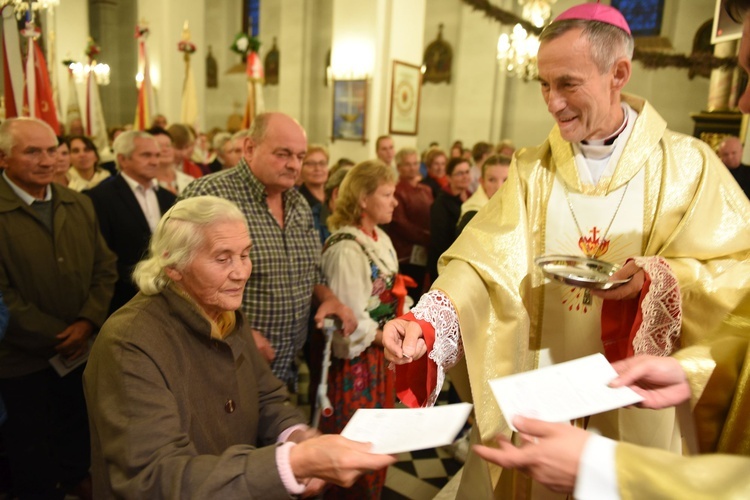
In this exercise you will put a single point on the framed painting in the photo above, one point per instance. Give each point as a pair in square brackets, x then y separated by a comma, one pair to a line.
[405, 93]
[349, 110]
[725, 29]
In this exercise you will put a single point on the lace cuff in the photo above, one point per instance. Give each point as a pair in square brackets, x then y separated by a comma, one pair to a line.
[436, 309]
[659, 332]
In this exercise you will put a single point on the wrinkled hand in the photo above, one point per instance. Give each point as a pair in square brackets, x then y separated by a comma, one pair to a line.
[335, 459]
[661, 380]
[629, 290]
[550, 452]
[74, 339]
[334, 307]
[403, 341]
[303, 435]
[314, 488]
[264, 346]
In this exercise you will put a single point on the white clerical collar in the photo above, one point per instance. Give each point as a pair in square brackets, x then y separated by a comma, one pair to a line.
[610, 140]
[26, 197]
[597, 161]
[154, 184]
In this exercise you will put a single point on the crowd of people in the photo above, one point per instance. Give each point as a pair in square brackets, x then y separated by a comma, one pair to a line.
[156, 298]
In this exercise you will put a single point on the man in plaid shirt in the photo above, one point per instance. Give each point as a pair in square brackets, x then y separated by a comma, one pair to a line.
[286, 248]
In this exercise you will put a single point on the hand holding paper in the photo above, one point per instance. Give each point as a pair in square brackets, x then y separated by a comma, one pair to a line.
[562, 392]
[405, 429]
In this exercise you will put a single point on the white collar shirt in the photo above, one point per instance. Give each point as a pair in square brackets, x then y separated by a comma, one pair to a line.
[146, 197]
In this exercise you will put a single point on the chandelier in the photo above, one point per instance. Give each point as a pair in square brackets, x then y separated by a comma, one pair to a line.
[21, 7]
[516, 52]
[81, 72]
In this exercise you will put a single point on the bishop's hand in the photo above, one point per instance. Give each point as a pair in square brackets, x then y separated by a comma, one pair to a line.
[403, 341]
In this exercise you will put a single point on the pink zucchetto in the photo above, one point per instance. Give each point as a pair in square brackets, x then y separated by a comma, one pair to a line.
[596, 12]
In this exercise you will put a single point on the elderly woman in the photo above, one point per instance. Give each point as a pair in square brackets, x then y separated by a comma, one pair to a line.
[361, 268]
[180, 401]
[84, 158]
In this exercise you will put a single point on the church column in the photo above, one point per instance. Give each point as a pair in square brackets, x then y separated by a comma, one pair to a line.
[112, 24]
[720, 87]
[367, 38]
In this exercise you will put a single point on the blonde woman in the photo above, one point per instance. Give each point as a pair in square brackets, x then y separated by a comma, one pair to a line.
[361, 268]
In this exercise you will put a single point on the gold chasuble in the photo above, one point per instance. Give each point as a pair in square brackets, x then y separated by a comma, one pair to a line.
[719, 376]
[675, 200]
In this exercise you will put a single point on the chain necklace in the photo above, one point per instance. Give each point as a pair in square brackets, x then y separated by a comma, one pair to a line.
[586, 292]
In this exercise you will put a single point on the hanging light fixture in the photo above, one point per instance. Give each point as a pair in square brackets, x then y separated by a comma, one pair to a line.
[21, 6]
[81, 71]
[517, 50]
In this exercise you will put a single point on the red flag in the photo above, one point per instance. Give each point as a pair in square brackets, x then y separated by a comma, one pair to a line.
[44, 106]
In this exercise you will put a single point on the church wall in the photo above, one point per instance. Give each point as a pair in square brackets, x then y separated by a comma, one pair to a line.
[436, 108]
[474, 72]
[221, 25]
[406, 45]
[317, 120]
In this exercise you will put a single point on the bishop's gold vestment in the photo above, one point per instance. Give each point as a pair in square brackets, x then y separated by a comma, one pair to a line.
[694, 216]
[719, 375]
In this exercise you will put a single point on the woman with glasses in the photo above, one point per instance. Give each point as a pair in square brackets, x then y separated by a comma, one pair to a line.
[314, 174]
[446, 211]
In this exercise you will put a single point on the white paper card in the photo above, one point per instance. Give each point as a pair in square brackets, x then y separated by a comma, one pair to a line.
[399, 430]
[63, 366]
[562, 392]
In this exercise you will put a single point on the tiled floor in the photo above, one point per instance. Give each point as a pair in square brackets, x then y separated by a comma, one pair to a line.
[418, 475]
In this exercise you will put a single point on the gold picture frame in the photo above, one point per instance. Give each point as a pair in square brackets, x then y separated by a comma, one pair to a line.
[406, 91]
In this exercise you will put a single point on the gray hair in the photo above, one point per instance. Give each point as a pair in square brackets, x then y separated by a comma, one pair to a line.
[125, 143]
[608, 43]
[259, 127]
[403, 153]
[241, 134]
[179, 234]
[8, 136]
[220, 139]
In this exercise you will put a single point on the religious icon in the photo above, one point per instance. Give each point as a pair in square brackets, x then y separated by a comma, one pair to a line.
[212, 71]
[271, 65]
[349, 109]
[438, 59]
[405, 89]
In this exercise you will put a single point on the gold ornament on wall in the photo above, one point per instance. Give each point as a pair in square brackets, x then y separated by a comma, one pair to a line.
[438, 59]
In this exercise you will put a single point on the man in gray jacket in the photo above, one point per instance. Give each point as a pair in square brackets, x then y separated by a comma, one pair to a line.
[57, 278]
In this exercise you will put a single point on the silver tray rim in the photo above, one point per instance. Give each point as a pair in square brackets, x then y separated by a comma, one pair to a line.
[605, 270]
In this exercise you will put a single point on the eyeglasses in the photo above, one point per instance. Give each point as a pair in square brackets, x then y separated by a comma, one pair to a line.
[321, 163]
[460, 173]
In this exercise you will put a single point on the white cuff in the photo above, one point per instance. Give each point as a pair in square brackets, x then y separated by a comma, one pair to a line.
[597, 470]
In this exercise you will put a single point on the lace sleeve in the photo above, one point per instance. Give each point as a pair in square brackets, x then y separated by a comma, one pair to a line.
[659, 333]
[436, 308]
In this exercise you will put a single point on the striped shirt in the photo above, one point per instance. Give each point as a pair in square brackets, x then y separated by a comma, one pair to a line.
[286, 262]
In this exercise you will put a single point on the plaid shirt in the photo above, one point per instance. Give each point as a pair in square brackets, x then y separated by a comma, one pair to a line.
[286, 262]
